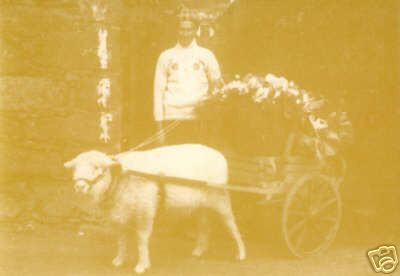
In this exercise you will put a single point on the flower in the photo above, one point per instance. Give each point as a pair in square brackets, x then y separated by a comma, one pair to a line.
[332, 135]
[313, 105]
[236, 85]
[277, 94]
[279, 83]
[283, 83]
[293, 91]
[329, 129]
[317, 123]
[271, 78]
[306, 97]
[261, 94]
[254, 83]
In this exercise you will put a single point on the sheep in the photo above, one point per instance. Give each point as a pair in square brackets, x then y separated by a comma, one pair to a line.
[136, 197]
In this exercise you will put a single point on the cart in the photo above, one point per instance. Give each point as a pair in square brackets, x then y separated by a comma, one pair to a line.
[307, 188]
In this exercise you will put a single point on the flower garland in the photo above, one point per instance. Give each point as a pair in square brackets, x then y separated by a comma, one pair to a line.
[99, 11]
[325, 130]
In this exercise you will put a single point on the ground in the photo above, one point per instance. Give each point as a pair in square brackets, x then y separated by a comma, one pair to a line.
[38, 249]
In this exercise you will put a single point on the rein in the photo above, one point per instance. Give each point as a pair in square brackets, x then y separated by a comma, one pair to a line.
[157, 135]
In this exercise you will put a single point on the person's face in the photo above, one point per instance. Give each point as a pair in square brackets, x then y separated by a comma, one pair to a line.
[186, 33]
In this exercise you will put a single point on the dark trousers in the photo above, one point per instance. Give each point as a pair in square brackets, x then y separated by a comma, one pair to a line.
[186, 132]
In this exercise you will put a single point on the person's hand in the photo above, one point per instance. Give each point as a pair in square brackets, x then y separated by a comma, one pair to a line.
[161, 133]
[204, 98]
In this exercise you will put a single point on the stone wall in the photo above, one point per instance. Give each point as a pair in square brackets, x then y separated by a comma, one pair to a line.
[50, 69]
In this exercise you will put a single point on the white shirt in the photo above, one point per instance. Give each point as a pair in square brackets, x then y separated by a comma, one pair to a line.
[182, 80]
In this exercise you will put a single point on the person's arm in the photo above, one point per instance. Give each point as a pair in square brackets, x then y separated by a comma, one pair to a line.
[160, 85]
[213, 72]
[161, 135]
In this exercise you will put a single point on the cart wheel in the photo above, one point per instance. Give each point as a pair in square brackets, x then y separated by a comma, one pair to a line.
[311, 215]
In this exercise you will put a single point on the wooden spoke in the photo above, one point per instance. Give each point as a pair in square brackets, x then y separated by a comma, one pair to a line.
[311, 214]
[324, 206]
[330, 219]
[297, 213]
[315, 234]
[301, 236]
[297, 226]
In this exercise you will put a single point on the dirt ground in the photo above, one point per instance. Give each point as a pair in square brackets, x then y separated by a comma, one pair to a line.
[36, 249]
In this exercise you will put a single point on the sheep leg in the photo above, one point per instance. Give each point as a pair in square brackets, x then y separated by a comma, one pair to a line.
[203, 234]
[118, 221]
[229, 220]
[122, 248]
[144, 231]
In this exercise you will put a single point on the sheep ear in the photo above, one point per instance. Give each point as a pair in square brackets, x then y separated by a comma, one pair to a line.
[69, 164]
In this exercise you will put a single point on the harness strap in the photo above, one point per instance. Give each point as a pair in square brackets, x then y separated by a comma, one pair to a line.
[157, 135]
[161, 197]
[108, 196]
[90, 182]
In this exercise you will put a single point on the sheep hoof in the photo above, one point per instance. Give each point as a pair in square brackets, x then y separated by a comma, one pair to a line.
[241, 256]
[118, 261]
[139, 269]
[197, 252]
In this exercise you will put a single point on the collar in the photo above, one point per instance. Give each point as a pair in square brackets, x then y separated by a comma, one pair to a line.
[192, 45]
[108, 196]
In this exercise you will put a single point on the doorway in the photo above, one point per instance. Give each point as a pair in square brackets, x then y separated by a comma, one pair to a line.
[148, 32]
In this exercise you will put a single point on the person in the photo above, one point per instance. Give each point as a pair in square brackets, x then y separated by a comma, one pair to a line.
[184, 76]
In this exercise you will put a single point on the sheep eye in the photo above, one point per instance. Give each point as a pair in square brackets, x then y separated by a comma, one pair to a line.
[98, 171]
